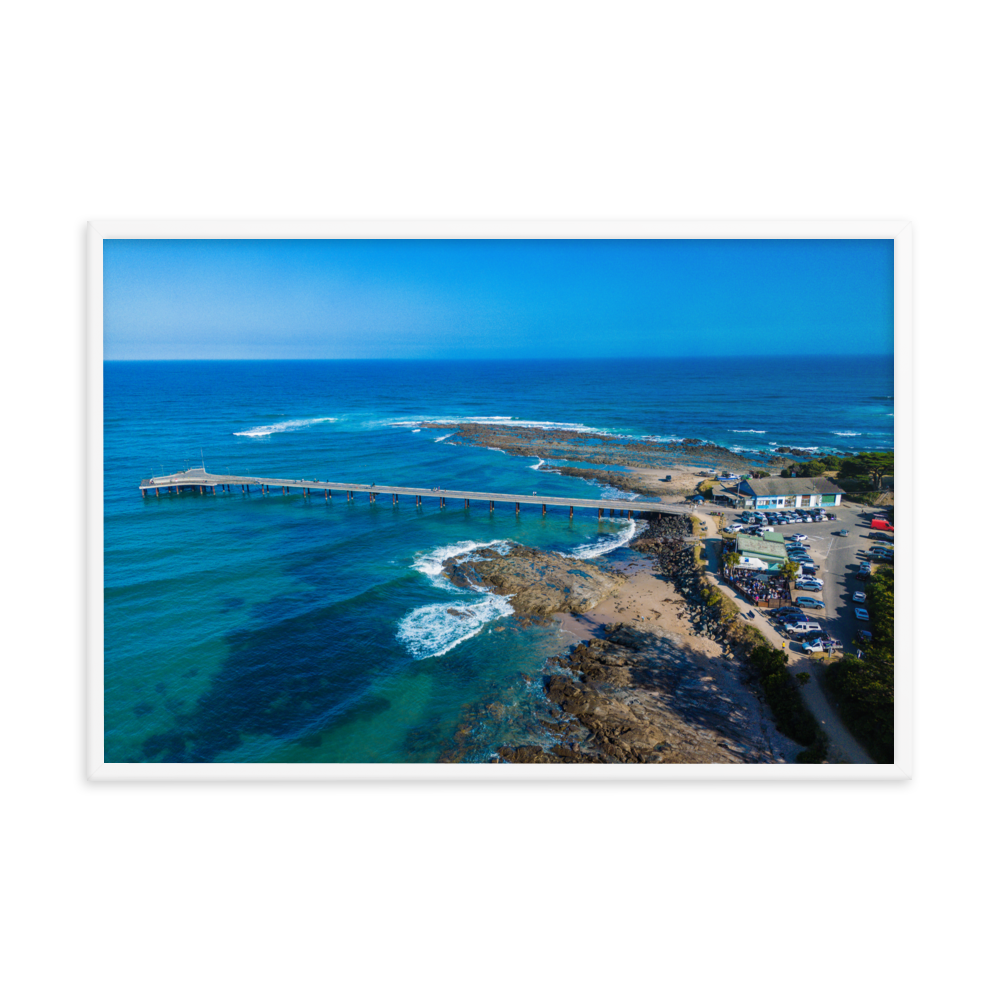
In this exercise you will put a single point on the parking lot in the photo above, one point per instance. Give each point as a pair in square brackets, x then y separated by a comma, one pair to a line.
[837, 562]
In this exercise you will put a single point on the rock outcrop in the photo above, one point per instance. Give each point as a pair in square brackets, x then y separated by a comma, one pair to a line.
[538, 583]
[643, 702]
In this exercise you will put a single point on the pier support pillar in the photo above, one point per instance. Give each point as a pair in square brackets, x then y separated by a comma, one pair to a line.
[442, 503]
[417, 504]
[213, 490]
[371, 498]
[600, 510]
[543, 510]
[395, 498]
[466, 503]
[157, 490]
[517, 508]
[630, 515]
[491, 506]
[571, 512]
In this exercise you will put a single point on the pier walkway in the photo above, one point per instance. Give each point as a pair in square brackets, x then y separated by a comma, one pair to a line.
[202, 481]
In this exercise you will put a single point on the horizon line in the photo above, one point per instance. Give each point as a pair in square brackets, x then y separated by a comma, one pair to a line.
[602, 357]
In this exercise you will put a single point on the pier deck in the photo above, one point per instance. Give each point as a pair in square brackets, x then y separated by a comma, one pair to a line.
[201, 481]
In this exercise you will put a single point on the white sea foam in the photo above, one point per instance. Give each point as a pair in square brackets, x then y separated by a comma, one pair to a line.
[285, 425]
[537, 465]
[434, 629]
[613, 493]
[847, 434]
[505, 421]
[444, 437]
[432, 563]
[608, 543]
[416, 430]
[750, 431]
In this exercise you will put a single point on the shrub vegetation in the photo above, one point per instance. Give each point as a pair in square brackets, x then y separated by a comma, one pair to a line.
[790, 713]
[863, 687]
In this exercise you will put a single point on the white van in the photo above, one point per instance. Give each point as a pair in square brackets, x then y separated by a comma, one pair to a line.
[804, 628]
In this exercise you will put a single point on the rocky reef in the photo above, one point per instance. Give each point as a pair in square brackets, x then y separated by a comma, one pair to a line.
[538, 583]
[601, 449]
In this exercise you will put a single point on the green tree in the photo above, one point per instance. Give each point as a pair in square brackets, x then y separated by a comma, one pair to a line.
[730, 559]
[873, 464]
[863, 686]
[789, 571]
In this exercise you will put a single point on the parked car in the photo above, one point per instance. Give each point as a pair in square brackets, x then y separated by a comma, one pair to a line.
[862, 636]
[817, 645]
[843, 532]
[798, 537]
[809, 583]
[861, 614]
[859, 597]
[809, 602]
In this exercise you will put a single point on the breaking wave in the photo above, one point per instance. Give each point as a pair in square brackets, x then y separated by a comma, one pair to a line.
[434, 629]
[285, 425]
[847, 434]
[750, 431]
[591, 550]
[432, 563]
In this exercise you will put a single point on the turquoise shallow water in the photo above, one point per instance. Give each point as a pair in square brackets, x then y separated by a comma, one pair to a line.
[296, 629]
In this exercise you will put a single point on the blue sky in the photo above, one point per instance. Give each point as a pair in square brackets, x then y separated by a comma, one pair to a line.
[214, 299]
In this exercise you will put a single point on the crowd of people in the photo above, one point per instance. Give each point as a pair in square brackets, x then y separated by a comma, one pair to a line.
[756, 586]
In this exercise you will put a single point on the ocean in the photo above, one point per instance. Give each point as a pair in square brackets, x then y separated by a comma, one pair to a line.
[289, 628]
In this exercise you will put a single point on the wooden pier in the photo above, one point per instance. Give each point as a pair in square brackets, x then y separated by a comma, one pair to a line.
[204, 482]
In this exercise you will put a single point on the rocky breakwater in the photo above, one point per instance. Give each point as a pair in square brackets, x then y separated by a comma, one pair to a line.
[538, 583]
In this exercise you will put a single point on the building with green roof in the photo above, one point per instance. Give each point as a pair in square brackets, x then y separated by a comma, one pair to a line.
[753, 550]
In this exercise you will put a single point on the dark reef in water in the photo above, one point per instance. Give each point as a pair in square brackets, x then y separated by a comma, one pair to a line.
[601, 449]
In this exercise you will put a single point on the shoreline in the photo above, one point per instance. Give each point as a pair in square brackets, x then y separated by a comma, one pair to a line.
[648, 685]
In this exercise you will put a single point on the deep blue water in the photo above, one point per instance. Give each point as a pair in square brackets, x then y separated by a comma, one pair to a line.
[296, 629]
